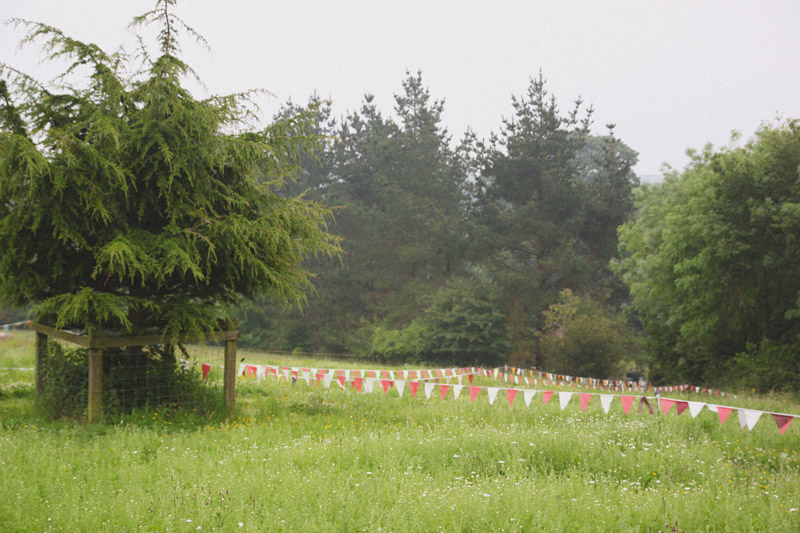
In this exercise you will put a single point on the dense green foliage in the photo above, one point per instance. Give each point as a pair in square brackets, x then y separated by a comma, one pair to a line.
[580, 338]
[463, 324]
[711, 262]
[427, 228]
[128, 204]
[550, 203]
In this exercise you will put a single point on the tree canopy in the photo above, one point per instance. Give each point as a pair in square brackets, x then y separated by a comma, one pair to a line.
[711, 263]
[455, 249]
[129, 204]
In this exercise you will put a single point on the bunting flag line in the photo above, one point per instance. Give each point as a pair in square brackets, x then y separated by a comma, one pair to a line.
[564, 398]
[666, 405]
[596, 383]
[605, 401]
[429, 389]
[492, 393]
[528, 396]
[457, 390]
[748, 418]
[473, 393]
[695, 408]
[443, 390]
[782, 421]
[585, 401]
[511, 394]
[355, 380]
[546, 395]
[627, 402]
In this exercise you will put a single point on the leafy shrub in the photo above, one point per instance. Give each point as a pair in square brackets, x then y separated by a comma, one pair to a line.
[583, 339]
[463, 324]
[768, 366]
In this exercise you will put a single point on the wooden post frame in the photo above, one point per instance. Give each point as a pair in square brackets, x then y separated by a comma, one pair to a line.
[41, 362]
[96, 342]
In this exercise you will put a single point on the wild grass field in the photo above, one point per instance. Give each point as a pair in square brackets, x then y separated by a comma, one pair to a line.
[300, 458]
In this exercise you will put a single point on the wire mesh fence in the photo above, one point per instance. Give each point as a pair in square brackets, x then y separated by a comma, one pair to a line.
[133, 378]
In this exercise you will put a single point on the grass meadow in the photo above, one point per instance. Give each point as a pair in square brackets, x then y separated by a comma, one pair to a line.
[300, 458]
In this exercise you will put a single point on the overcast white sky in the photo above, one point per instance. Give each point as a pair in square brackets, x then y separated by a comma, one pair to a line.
[671, 75]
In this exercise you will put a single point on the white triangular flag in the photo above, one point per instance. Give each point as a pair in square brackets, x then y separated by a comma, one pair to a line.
[286, 373]
[457, 389]
[563, 398]
[429, 389]
[327, 379]
[400, 384]
[605, 401]
[460, 377]
[711, 407]
[347, 376]
[391, 375]
[749, 418]
[492, 393]
[369, 384]
[695, 408]
[307, 378]
[528, 396]
[259, 373]
[242, 367]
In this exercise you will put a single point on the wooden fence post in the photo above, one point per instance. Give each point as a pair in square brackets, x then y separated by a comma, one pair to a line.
[95, 384]
[41, 362]
[229, 370]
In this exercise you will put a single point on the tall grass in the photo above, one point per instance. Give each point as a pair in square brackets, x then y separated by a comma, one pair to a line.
[316, 459]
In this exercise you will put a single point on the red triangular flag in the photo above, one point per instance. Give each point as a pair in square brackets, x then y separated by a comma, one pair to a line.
[682, 406]
[783, 422]
[206, 368]
[473, 393]
[546, 395]
[443, 389]
[386, 384]
[627, 401]
[294, 373]
[666, 405]
[470, 378]
[357, 382]
[320, 376]
[413, 385]
[723, 413]
[511, 394]
[340, 379]
[251, 370]
[585, 400]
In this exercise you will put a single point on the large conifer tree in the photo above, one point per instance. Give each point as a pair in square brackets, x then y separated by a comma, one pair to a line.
[128, 204]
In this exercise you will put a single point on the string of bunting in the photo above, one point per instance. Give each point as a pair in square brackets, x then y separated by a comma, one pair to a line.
[609, 384]
[368, 380]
